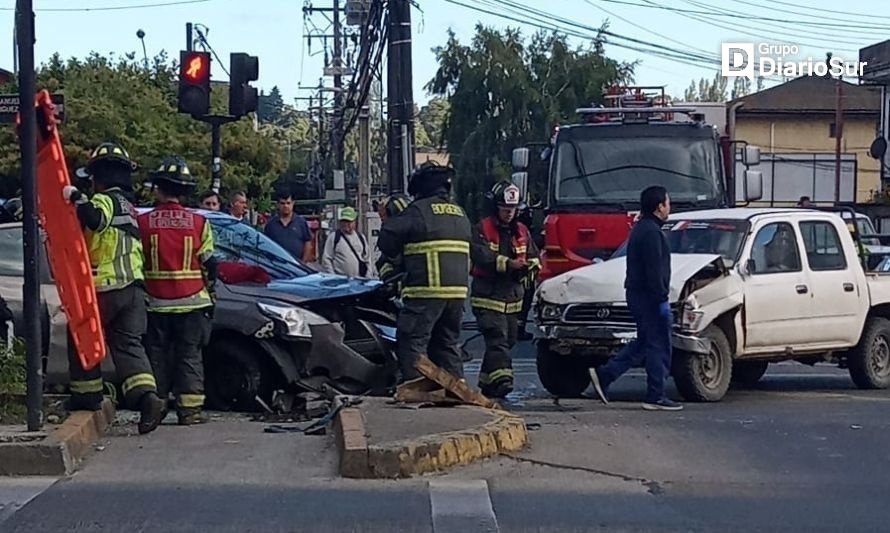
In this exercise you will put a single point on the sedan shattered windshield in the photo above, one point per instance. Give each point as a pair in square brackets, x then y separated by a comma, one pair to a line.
[615, 170]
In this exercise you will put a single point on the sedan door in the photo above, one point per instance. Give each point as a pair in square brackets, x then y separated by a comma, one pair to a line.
[778, 301]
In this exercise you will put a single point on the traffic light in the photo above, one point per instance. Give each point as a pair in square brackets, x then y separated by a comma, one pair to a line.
[242, 97]
[194, 82]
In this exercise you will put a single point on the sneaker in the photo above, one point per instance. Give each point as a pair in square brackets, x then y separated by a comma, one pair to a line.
[597, 386]
[663, 405]
[153, 410]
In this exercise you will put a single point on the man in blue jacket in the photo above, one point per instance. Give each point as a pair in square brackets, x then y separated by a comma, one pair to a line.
[647, 287]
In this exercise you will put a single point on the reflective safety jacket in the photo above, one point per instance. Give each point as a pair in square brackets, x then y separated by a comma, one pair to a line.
[432, 236]
[495, 286]
[112, 236]
[177, 243]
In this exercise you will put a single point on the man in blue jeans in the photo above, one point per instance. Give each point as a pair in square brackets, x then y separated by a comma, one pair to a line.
[647, 287]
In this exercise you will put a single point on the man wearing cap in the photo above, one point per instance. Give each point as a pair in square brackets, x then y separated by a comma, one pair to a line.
[346, 250]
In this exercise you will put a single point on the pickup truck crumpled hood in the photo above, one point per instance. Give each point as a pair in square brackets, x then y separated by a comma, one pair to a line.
[604, 282]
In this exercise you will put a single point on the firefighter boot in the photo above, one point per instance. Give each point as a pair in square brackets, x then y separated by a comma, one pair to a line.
[152, 409]
[191, 417]
[499, 388]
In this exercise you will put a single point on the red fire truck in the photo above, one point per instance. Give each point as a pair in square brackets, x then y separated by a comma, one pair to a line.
[598, 167]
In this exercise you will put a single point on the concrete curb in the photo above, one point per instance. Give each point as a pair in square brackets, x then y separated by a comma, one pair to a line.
[59, 452]
[430, 453]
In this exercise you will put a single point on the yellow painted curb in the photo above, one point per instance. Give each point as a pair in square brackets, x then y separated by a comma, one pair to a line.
[430, 453]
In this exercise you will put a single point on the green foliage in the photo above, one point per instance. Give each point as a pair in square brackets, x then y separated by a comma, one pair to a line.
[504, 91]
[715, 90]
[12, 368]
[117, 98]
[431, 122]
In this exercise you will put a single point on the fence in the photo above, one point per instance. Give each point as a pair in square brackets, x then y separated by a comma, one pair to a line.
[788, 176]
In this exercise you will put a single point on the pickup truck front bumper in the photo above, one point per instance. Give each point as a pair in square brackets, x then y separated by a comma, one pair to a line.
[611, 338]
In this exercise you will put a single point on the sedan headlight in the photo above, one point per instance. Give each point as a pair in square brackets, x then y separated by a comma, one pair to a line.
[294, 321]
[550, 312]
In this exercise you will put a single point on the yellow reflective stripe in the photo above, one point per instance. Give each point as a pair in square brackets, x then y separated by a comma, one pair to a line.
[206, 249]
[189, 303]
[495, 375]
[154, 253]
[385, 269]
[86, 387]
[493, 246]
[502, 263]
[191, 401]
[496, 305]
[435, 293]
[417, 248]
[187, 249]
[189, 274]
[432, 269]
[521, 249]
[139, 380]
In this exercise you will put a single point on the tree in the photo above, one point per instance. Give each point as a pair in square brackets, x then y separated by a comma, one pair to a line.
[270, 107]
[504, 92]
[715, 90]
[117, 98]
[431, 118]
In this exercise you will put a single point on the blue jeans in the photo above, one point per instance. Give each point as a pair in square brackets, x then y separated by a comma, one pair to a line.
[652, 345]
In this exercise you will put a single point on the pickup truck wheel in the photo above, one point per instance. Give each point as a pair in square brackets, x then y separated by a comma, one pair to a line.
[869, 361]
[705, 377]
[563, 376]
[748, 373]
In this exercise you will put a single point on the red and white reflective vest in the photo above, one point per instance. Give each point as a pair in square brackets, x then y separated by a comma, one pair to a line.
[492, 232]
[172, 238]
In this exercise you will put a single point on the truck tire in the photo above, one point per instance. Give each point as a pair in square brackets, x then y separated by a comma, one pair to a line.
[705, 377]
[869, 361]
[562, 375]
[748, 373]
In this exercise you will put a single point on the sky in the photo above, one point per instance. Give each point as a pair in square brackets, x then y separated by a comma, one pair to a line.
[273, 30]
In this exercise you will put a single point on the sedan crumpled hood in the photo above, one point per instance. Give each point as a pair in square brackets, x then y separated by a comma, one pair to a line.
[313, 287]
[604, 282]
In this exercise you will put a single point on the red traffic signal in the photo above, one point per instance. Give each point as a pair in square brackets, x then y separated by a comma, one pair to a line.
[194, 82]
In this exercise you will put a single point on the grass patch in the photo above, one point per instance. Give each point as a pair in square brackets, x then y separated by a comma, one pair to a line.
[12, 383]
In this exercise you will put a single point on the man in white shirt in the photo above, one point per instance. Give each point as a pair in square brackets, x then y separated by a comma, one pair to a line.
[346, 250]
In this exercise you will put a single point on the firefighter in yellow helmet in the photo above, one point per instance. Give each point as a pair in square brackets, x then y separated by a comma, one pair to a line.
[108, 220]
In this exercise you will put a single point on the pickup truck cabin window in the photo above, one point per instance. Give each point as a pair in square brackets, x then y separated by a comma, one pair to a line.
[775, 250]
[823, 246]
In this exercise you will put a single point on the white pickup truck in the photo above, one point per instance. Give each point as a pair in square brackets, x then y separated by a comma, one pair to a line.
[748, 287]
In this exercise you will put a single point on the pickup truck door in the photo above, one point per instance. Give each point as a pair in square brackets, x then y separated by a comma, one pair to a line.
[838, 298]
[778, 301]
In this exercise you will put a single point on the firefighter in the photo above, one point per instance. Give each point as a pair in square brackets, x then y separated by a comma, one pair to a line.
[504, 257]
[432, 236]
[109, 224]
[179, 272]
[390, 207]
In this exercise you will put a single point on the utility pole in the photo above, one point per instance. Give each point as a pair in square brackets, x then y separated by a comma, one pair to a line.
[400, 106]
[364, 163]
[337, 133]
[838, 137]
[30, 229]
[189, 41]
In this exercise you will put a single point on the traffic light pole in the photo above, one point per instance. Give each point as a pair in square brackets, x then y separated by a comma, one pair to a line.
[30, 228]
[216, 122]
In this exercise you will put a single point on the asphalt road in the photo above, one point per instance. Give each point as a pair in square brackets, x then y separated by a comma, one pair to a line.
[805, 451]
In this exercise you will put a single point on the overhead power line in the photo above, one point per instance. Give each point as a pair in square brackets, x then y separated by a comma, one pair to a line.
[810, 9]
[112, 8]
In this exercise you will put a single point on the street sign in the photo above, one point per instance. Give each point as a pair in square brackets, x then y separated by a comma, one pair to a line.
[9, 107]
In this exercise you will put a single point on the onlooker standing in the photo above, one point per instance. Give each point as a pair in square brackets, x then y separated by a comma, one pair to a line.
[346, 250]
[647, 288]
[238, 206]
[210, 201]
[289, 229]
[805, 202]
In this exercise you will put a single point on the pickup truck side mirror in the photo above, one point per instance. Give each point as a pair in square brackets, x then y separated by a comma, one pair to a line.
[753, 185]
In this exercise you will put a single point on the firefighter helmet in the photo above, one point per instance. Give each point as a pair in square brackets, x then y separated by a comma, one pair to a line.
[504, 194]
[428, 178]
[173, 169]
[110, 152]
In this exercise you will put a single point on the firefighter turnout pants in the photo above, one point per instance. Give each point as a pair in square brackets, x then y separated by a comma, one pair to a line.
[123, 316]
[499, 330]
[432, 328]
[175, 344]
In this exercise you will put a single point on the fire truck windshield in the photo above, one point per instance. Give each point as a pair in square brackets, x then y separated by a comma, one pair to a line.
[613, 171]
